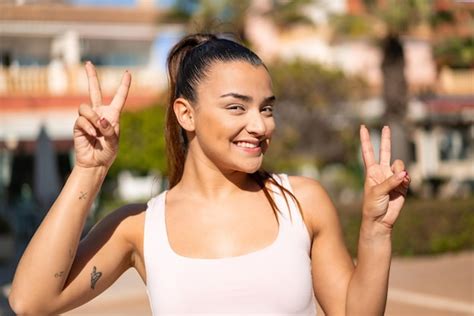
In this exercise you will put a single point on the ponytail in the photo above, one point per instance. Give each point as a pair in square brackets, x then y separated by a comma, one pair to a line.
[176, 140]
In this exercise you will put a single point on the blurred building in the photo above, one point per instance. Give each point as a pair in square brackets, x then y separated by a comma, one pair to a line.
[443, 133]
[43, 46]
[45, 42]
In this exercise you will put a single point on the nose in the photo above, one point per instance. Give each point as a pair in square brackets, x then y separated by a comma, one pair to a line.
[256, 123]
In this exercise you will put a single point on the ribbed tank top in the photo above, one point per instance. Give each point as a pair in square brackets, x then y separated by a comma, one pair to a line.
[275, 280]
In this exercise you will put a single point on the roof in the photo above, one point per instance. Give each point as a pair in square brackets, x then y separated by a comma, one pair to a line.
[21, 118]
[450, 104]
[443, 110]
[58, 12]
[15, 104]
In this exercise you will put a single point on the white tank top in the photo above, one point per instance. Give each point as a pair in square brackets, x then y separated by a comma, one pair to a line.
[275, 280]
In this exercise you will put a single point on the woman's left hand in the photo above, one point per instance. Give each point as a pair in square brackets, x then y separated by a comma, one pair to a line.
[385, 185]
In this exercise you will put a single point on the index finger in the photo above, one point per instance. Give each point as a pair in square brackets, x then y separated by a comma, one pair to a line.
[122, 92]
[367, 149]
[94, 86]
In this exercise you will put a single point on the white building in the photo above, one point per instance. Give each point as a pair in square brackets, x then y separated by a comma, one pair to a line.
[43, 45]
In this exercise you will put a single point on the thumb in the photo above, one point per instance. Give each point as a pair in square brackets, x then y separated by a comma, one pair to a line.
[391, 183]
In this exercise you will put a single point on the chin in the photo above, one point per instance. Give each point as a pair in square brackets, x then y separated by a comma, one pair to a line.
[250, 167]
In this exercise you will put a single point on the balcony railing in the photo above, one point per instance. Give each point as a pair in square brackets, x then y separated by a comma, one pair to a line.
[52, 80]
[456, 81]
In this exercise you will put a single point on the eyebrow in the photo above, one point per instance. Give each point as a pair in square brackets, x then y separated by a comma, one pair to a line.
[247, 98]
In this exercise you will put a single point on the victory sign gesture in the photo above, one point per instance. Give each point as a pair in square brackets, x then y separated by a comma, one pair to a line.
[97, 128]
[385, 185]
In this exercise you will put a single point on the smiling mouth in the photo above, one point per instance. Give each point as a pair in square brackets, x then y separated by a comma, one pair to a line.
[247, 145]
[250, 147]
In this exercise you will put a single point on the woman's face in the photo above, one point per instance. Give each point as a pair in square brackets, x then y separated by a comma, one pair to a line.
[233, 116]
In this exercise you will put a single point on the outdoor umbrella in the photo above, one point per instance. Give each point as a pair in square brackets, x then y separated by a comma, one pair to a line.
[46, 174]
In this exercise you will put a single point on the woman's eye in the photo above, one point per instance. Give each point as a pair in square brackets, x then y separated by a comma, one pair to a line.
[267, 109]
[236, 107]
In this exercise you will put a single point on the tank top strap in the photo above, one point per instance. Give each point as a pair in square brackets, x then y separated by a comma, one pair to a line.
[155, 234]
[288, 206]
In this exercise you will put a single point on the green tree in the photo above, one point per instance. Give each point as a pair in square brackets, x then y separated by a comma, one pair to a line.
[221, 16]
[286, 14]
[142, 143]
[228, 16]
[313, 119]
[455, 52]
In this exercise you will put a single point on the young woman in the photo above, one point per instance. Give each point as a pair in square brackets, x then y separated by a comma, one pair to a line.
[226, 237]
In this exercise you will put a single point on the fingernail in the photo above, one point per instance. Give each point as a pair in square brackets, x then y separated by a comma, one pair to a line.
[362, 126]
[92, 132]
[103, 122]
[401, 175]
[385, 126]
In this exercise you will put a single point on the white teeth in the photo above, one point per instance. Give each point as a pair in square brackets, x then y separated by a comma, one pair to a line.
[246, 145]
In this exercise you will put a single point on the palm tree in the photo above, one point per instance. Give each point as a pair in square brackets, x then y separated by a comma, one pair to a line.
[395, 19]
[221, 16]
[228, 16]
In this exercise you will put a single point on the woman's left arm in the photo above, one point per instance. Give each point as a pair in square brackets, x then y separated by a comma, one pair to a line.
[341, 288]
[385, 189]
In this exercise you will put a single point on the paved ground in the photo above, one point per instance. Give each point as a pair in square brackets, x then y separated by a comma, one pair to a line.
[426, 286]
[432, 286]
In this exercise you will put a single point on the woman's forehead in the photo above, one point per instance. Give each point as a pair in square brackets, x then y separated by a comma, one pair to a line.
[236, 77]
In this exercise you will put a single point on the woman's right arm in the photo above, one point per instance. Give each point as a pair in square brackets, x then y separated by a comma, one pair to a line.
[56, 272]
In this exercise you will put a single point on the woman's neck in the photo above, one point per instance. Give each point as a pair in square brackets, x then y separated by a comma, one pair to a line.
[205, 180]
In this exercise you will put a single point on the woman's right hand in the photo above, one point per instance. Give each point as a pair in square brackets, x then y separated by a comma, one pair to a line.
[96, 131]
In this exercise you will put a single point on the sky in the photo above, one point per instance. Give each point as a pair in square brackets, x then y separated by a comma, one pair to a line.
[105, 2]
[118, 3]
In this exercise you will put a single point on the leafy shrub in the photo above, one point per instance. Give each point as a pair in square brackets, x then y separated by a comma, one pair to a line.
[424, 227]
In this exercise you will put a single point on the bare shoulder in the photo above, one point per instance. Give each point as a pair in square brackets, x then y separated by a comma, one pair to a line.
[304, 188]
[309, 192]
[314, 200]
[125, 224]
[127, 220]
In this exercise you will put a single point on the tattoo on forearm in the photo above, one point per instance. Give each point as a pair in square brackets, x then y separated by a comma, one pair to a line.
[83, 195]
[59, 274]
[95, 276]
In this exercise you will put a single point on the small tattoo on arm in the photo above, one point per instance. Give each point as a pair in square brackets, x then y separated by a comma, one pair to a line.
[59, 274]
[83, 195]
[95, 276]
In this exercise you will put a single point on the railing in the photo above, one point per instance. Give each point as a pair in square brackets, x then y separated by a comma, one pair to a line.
[455, 81]
[57, 80]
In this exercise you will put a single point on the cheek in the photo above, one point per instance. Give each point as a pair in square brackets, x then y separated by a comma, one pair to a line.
[211, 127]
[268, 135]
[271, 126]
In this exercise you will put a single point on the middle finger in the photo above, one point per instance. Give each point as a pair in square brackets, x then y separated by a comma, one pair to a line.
[385, 147]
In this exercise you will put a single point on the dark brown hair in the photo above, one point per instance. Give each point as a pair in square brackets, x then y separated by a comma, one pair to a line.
[188, 64]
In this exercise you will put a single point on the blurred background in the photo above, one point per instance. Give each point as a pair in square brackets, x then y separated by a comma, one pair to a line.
[335, 64]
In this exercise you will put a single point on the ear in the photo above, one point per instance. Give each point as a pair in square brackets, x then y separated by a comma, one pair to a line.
[184, 113]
